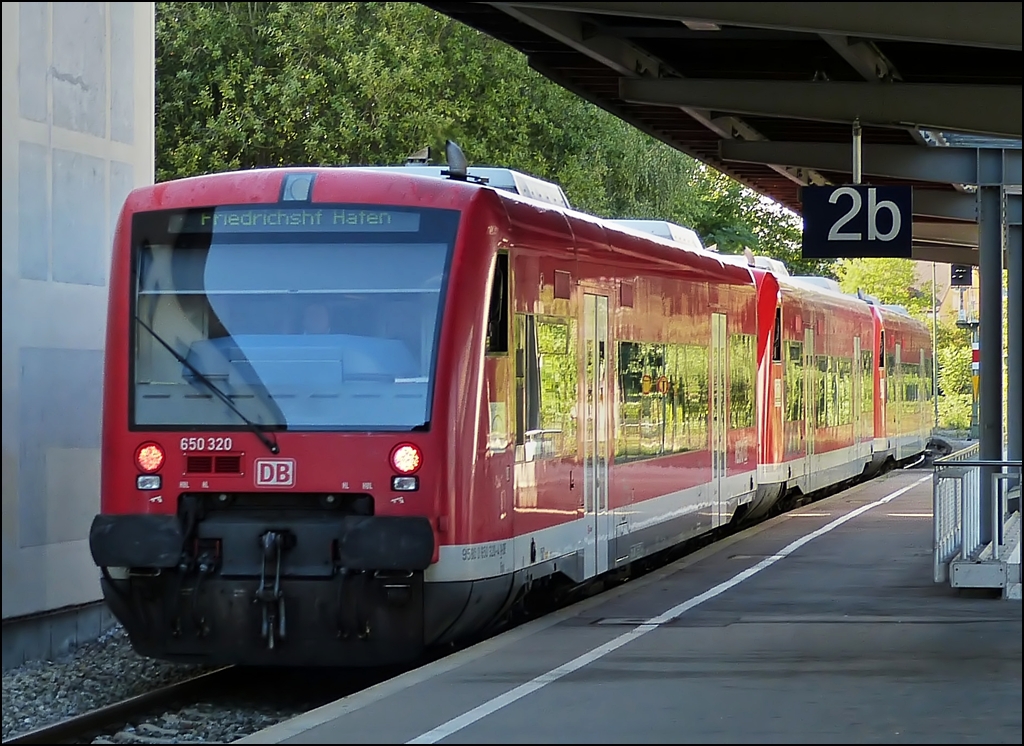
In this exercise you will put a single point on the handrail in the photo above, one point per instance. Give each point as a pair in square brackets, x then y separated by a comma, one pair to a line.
[956, 504]
[975, 447]
[979, 462]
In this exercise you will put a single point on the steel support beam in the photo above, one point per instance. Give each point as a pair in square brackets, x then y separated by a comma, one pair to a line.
[932, 203]
[627, 60]
[910, 162]
[927, 252]
[864, 57]
[994, 25]
[990, 404]
[948, 234]
[1014, 324]
[623, 58]
[1014, 339]
[931, 244]
[1012, 204]
[992, 110]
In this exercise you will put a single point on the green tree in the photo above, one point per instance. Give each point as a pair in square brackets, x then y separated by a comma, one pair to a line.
[892, 281]
[955, 370]
[737, 217]
[248, 85]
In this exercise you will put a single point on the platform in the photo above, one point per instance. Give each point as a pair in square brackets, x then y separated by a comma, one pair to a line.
[820, 625]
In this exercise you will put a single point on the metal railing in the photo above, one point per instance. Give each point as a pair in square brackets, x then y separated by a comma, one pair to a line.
[956, 506]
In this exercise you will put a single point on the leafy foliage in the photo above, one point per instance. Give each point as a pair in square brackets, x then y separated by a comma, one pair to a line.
[892, 281]
[249, 85]
[955, 411]
[955, 370]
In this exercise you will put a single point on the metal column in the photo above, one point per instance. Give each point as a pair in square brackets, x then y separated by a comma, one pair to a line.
[990, 410]
[1014, 330]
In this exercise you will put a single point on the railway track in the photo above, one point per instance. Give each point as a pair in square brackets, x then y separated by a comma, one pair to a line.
[74, 729]
[218, 706]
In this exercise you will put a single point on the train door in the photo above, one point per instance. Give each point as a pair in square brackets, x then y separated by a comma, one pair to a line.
[895, 378]
[858, 393]
[596, 426]
[924, 397]
[881, 418]
[719, 381]
[810, 402]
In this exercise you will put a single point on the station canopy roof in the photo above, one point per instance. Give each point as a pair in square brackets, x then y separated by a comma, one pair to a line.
[768, 92]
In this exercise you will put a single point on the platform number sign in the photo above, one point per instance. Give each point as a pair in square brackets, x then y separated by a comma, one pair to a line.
[857, 221]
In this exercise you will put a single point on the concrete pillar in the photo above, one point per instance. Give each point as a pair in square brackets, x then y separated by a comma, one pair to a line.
[78, 103]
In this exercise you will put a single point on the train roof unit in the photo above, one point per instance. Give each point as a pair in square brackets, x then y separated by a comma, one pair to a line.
[761, 262]
[664, 229]
[499, 178]
[505, 179]
[688, 237]
[822, 283]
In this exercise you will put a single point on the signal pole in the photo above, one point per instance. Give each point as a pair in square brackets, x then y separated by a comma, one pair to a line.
[935, 355]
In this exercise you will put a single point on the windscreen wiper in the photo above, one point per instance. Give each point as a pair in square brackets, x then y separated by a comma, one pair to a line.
[268, 441]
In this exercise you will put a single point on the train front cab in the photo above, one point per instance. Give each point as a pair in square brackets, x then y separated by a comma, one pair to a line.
[304, 543]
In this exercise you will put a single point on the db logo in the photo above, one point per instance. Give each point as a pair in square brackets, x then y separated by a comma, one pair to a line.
[275, 472]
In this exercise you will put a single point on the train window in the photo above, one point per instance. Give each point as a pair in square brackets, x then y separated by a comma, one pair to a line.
[663, 405]
[690, 398]
[795, 382]
[794, 393]
[527, 378]
[911, 382]
[777, 336]
[927, 378]
[844, 386]
[634, 366]
[881, 349]
[742, 367]
[867, 395]
[308, 325]
[555, 434]
[497, 316]
[825, 392]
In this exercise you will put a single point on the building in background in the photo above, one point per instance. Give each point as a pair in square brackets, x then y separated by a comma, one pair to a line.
[950, 298]
[78, 103]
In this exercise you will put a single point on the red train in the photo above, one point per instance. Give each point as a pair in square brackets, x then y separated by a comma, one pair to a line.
[351, 414]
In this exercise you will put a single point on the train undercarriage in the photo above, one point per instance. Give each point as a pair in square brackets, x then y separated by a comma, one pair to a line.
[228, 582]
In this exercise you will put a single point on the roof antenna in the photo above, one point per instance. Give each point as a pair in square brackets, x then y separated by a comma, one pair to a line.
[420, 157]
[749, 256]
[458, 167]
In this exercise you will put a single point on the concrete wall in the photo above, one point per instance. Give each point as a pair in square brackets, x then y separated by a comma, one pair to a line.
[78, 103]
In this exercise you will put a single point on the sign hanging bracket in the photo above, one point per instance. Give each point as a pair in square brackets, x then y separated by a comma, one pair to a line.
[857, 152]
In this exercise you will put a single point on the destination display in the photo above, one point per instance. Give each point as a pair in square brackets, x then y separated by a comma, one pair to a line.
[274, 219]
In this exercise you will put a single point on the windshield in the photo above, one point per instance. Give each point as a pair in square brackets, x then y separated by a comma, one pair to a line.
[320, 317]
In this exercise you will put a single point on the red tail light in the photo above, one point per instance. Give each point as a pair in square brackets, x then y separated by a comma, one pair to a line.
[406, 458]
[149, 457]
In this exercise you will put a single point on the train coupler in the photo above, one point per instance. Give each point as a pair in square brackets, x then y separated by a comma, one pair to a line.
[273, 629]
